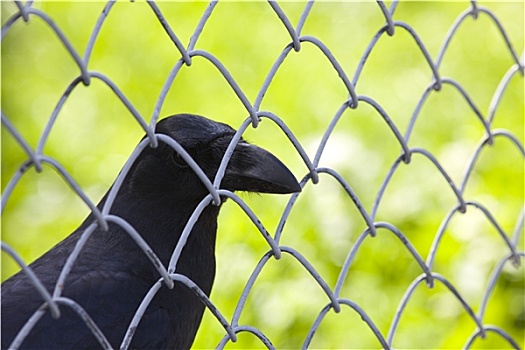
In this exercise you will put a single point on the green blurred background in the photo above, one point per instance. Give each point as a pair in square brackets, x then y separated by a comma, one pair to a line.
[94, 135]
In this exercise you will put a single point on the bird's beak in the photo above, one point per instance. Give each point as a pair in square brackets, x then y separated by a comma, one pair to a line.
[254, 169]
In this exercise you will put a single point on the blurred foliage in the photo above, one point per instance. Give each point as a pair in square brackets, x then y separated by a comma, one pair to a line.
[94, 134]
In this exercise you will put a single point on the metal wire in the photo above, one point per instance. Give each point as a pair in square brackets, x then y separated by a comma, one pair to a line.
[335, 301]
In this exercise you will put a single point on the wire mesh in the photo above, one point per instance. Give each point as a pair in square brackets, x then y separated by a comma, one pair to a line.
[338, 295]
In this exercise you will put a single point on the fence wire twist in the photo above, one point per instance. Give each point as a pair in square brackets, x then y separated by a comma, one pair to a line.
[313, 170]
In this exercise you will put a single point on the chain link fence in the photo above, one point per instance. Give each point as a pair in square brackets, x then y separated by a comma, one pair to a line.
[409, 229]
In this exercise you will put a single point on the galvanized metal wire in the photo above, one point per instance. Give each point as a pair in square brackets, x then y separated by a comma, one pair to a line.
[53, 301]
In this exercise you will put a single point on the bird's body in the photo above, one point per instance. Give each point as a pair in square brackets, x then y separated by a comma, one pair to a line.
[112, 274]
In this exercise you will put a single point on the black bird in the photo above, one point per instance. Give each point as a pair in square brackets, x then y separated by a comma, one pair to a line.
[112, 275]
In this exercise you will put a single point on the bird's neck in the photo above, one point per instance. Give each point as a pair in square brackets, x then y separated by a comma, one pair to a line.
[160, 219]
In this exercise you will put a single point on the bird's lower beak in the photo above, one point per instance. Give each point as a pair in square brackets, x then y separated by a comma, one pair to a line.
[254, 169]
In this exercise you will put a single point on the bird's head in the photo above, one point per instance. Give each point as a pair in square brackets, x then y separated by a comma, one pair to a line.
[250, 168]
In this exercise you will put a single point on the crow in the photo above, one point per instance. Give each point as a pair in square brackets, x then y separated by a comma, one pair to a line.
[112, 274]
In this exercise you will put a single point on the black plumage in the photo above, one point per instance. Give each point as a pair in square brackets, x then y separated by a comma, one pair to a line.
[112, 275]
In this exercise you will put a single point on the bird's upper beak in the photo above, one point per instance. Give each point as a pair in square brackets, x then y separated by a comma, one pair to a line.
[254, 169]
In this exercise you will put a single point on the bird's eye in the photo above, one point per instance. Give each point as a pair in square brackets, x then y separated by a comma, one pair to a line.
[178, 160]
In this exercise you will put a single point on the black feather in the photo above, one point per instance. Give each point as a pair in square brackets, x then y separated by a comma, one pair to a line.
[112, 275]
